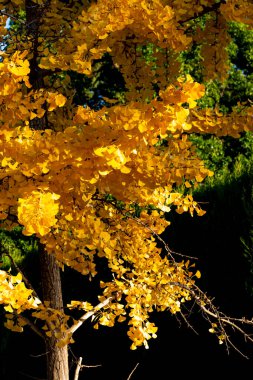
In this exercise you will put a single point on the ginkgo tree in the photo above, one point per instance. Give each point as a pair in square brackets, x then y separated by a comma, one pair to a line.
[96, 183]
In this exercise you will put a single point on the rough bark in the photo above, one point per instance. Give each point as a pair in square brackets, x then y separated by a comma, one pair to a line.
[57, 357]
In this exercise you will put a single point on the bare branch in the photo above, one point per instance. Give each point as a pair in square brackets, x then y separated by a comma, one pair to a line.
[2, 12]
[229, 322]
[188, 323]
[78, 367]
[204, 302]
[167, 248]
[91, 366]
[131, 373]
[205, 10]
[33, 326]
[89, 314]
[39, 355]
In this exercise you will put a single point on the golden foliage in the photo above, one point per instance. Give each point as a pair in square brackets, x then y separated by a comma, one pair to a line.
[37, 212]
[77, 181]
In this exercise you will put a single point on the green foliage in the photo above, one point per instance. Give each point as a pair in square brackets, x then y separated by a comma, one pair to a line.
[13, 243]
[228, 199]
[215, 238]
[241, 47]
[239, 85]
[23, 251]
[190, 62]
[228, 195]
[237, 171]
[211, 150]
[224, 154]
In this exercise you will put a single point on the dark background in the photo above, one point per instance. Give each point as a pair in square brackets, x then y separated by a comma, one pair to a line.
[215, 240]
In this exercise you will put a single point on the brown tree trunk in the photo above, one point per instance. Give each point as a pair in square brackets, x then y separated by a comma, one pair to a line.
[57, 357]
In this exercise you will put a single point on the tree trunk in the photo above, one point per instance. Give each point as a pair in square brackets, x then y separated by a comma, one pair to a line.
[57, 357]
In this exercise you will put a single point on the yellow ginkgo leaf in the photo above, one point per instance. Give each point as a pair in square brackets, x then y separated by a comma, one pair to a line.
[60, 100]
[198, 274]
[37, 212]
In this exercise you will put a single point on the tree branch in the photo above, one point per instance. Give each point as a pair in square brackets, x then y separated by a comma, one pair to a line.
[78, 367]
[205, 10]
[12, 17]
[33, 327]
[131, 373]
[89, 314]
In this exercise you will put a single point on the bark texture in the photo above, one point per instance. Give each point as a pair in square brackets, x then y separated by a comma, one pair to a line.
[57, 357]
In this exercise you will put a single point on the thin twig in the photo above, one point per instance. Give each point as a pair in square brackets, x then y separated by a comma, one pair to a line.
[12, 17]
[139, 221]
[210, 311]
[188, 323]
[167, 248]
[131, 373]
[228, 322]
[39, 355]
[33, 326]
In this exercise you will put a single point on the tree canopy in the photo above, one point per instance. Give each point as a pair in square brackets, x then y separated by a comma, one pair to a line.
[92, 177]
